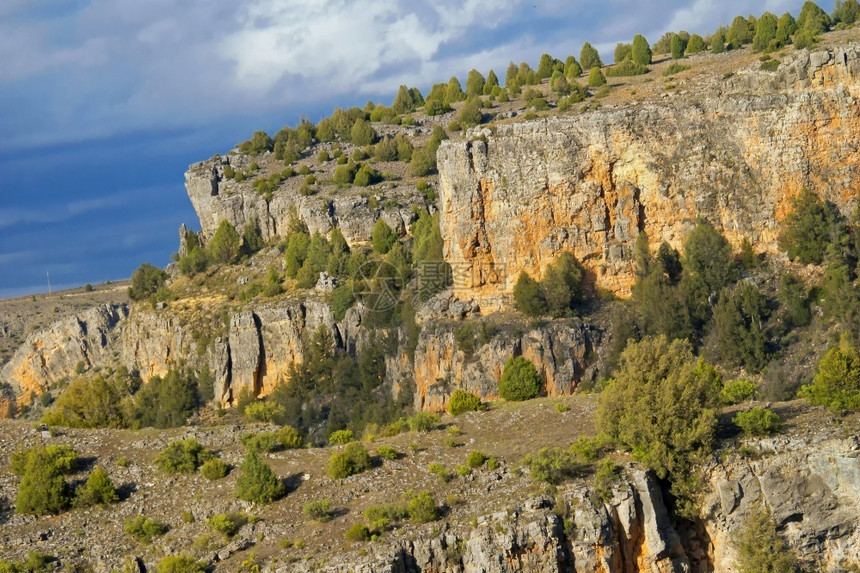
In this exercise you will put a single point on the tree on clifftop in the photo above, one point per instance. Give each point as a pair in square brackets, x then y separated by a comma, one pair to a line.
[641, 52]
[145, 281]
[589, 58]
[226, 243]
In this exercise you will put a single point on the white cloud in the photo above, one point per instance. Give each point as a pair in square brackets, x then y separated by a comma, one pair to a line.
[340, 45]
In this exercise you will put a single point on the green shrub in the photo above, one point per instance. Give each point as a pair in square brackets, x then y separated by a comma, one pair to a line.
[264, 411]
[553, 465]
[225, 245]
[586, 450]
[441, 471]
[36, 562]
[382, 237]
[463, 401]
[344, 174]
[227, 524]
[387, 453]
[145, 281]
[341, 437]
[492, 463]
[358, 532]
[476, 459]
[770, 65]
[342, 299]
[520, 380]
[257, 482]
[179, 564]
[806, 229]
[607, 473]
[837, 382]
[214, 468]
[589, 57]
[145, 529]
[422, 507]
[289, 438]
[352, 460]
[366, 176]
[362, 133]
[98, 490]
[260, 442]
[675, 68]
[758, 422]
[381, 516]
[182, 456]
[760, 548]
[563, 285]
[90, 403]
[423, 422]
[318, 510]
[654, 376]
[708, 267]
[528, 296]
[737, 391]
[794, 299]
[43, 489]
[625, 69]
[640, 51]
[739, 316]
[596, 78]
[696, 44]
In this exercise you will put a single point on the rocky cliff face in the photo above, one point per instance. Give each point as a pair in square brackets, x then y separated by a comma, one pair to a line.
[352, 210]
[631, 532]
[561, 351]
[812, 488]
[809, 485]
[734, 152]
[83, 340]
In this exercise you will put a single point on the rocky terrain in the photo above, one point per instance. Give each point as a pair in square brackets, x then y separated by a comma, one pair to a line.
[497, 520]
[727, 141]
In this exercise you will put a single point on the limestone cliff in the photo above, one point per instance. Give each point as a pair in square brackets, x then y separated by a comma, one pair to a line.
[78, 342]
[734, 151]
[352, 210]
[561, 351]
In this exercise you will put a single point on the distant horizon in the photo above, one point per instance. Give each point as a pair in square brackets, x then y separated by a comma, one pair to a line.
[113, 102]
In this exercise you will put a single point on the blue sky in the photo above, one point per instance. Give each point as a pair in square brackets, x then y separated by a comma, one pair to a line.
[106, 102]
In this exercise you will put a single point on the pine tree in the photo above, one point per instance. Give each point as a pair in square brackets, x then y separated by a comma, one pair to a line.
[475, 83]
[492, 82]
[589, 57]
[765, 31]
[596, 78]
[257, 482]
[641, 51]
[225, 245]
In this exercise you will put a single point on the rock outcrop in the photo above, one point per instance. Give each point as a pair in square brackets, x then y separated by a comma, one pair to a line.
[812, 489]
[74, 343]
[561, 351]
[631, 532]
[353, 211]
[733, 152]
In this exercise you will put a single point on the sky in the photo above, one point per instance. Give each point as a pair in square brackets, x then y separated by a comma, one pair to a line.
[105, 103]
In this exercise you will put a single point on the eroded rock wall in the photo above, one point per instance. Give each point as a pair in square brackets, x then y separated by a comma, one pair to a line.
[734, 152]
[217, 199]
[562, 352]
[74, 343]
